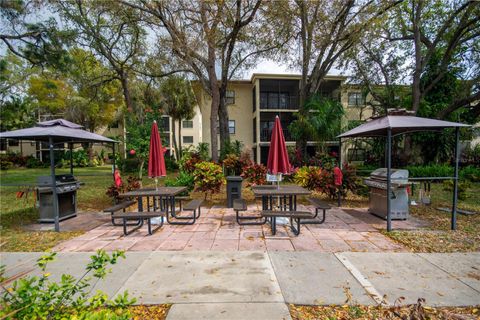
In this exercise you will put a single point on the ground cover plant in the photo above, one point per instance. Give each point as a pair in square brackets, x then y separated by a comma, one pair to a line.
[72, 297]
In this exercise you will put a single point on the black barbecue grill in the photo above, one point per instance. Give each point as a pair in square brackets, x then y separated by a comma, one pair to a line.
[66, 186]
[398, 193]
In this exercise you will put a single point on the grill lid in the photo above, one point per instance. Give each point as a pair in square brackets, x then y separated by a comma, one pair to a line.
[395, 174]
[59, 179]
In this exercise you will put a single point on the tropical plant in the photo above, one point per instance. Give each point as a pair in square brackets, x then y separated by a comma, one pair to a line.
[37, 297]
[254, 174]
[232, 165]
[182, 180]
[208, 177]
[132, 184]
[323, 123]
[188, 161]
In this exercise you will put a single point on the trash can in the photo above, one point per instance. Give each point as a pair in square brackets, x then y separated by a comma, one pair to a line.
[234, 189]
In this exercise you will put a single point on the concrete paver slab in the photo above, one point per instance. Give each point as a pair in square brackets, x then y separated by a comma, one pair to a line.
[17, 263]
[204, 276]
[229, 311]
[411, 276]
[74, 263]
[315, 278]
[464, 266]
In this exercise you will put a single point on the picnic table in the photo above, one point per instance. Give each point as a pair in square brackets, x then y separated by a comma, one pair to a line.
[287, 195]
[163, 199]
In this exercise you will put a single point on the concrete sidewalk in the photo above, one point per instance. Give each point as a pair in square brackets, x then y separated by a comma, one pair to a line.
[258, 285]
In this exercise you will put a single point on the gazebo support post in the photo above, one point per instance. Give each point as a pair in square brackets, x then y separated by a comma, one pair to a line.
[339, 201]
[389, 169]
[54, 186]
[455, 180]
[70, 147]
[113, 166]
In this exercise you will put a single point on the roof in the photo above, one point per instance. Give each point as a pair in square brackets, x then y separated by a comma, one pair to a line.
[399, 125]
[60, 130]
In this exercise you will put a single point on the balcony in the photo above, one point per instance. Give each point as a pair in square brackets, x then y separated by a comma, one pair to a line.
[266, 134]
[280, 101]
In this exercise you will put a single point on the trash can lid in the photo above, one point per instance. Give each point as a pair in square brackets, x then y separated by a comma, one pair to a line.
[234, 178]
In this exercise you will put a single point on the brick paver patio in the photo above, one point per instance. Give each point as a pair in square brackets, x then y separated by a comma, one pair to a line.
[217, 230]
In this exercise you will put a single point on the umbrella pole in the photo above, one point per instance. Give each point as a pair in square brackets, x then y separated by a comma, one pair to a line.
[156, 183]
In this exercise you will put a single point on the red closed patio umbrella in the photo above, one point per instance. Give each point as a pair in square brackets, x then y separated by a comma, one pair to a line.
[156, 161]
[278, 162]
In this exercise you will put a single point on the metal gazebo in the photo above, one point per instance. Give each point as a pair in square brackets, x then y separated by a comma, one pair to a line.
[55, 132]
[393, 125]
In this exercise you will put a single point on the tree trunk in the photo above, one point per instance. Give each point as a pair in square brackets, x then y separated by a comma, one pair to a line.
[180, 138]
[417, 9]
[223, 124]
[175, 140]
[126, 91]
[212, 77]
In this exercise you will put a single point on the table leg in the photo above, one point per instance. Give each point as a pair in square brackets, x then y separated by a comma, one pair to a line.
[140, 203]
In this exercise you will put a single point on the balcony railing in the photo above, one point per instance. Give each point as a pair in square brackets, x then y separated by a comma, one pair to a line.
[266, 134]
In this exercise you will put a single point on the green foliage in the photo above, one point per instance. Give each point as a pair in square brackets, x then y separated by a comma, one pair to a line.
[170, 164]
[5, 164]
[322, 179]
[79, 157]
[182, 180]
[202, 150]
[208, 177]
[33, 162]
[231, 164]
[470, 173]
[437, 170]
[320, 120]
[463, 187]
[254, 173]
[188, 161]
[16, 113]
[37, 297]
[234, 147]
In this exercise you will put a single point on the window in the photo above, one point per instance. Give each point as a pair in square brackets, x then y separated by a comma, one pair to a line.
[187, 124]
[230, 97]
[187, 139]
[164, 124]
[355, 99]
[13, 143]
[231, 126]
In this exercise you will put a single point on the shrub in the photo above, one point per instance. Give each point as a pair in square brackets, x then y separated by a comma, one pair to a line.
[232, 164]
[323, 180]
[462, 188]
[188, 161]
[254, 173]
[183, 180]
[129, 165]
[170, 164]
[34, 163]
[437, 170]
[133, 183]
[470, 173]
[5, 164]
[35, 297]
[202, 151]
[208, 177]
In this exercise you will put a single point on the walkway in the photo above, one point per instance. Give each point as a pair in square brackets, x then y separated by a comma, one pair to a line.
[258, 285]
[217, 230]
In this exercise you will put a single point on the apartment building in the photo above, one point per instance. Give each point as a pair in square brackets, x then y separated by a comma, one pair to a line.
[253, 105]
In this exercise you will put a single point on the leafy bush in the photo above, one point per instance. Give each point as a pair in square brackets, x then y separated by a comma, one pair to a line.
[129, 165]
[470, 173]
[34, 163]
[183, 180]
[233, 147]
[202, 150]
[323, 180]
[35, 297]
[254, 174]
[208, 177]
[5, 164]
[188, 161]
[232, 165]
[462, 188]
[171, 164]
[471, 156]
[133, 183]
[437, 170]
[15, 158]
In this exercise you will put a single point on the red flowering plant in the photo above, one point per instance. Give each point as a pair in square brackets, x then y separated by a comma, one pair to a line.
[188, 162]
[232, 164]
[254, 173]
[132, 183]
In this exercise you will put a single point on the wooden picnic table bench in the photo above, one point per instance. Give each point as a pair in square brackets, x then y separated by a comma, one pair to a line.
[140, 216]
[293, 215]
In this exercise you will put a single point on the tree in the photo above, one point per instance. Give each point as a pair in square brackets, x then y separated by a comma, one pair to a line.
[445, 31]
[212, 39]
[38, 42]
[326, 30]
[49, 92]
[323, 122]
[98, 95]
[178, 103]
[113, 32]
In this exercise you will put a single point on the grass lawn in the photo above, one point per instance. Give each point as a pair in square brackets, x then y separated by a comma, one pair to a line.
[15, 212]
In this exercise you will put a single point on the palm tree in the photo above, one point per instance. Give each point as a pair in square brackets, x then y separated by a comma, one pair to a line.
[178, 103]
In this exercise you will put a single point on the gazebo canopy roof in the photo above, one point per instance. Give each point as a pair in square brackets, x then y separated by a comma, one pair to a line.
[61, 130]
[399, 124]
